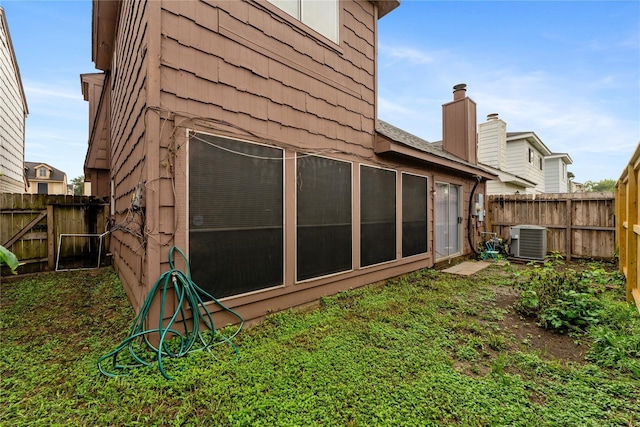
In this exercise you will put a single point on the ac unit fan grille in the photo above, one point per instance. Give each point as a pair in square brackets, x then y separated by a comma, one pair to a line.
[532, 244]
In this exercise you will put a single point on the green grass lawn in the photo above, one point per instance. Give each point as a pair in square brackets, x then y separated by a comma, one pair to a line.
[423, 349]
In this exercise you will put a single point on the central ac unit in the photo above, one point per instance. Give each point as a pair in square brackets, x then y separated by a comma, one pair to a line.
[528, 241]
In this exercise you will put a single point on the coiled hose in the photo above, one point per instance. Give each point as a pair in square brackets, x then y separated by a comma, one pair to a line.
[171, 342]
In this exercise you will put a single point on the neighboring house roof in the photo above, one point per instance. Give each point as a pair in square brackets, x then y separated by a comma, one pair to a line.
[14, 61]
[432, 149]
[509, 178]
[532, 138]
[564, 156]
[31, 172]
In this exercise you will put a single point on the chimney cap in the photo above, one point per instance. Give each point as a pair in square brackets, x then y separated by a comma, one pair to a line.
[461, 86]
[492, 116]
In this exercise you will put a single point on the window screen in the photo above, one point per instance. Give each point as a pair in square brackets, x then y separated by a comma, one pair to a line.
[414, 215]
[324, 230]
[377, 215]
[235, 215]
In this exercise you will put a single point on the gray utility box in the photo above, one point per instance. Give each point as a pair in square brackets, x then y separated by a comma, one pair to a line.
[528, 241]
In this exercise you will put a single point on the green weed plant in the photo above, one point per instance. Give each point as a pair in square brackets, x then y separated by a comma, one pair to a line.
[424, 349]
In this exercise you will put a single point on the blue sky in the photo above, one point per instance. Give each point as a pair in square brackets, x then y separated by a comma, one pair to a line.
[567, 70]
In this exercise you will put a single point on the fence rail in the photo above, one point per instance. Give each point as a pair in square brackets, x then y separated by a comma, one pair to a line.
[31, 224]
[628, 226]
[579, 225]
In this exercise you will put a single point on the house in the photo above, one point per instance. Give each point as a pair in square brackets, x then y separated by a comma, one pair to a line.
[45, 179]
[13, 105]
[523, 163]
[556, 178]
[248, 136]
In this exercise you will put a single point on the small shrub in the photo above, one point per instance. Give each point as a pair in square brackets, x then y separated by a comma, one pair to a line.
[564, 300]
[572, 310]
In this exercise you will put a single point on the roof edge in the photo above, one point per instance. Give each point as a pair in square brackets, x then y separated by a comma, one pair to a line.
[385, 6]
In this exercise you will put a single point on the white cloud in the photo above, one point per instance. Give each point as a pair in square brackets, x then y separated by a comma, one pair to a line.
[39, 91]
[403, 53]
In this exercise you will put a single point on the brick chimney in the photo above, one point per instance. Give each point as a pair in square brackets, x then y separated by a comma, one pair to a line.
[459, 135]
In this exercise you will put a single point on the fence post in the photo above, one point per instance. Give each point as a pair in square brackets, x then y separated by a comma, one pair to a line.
[51, 239]
[632, 236]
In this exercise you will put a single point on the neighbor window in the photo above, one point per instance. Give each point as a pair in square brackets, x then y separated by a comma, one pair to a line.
[414, 215]
[530, 156]
[235, 215]
[540, 163]
[323, 217]
[43, 188]
[42, 172]
[320, 15]
[377, 215]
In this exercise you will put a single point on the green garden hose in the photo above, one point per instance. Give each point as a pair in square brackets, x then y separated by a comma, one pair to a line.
[172, 343]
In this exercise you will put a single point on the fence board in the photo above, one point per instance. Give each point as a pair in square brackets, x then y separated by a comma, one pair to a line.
[579, 225]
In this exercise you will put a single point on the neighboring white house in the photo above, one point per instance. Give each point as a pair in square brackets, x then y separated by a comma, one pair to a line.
[13, 114]
[523, 163]
[555, 173]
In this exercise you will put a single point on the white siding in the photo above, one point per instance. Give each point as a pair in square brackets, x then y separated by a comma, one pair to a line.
[516, 157]
[518, 164]
[555, 176]
[12, 120]
[492, 144]
[551, 175]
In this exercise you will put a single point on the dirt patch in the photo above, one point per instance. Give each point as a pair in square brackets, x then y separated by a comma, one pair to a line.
[531, 337]
[501, 329]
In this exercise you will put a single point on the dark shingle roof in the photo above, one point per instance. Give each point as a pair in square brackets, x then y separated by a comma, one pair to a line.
[435, 148]
[56, 174]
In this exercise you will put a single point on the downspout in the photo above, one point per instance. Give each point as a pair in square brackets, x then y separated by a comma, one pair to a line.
[473, 190]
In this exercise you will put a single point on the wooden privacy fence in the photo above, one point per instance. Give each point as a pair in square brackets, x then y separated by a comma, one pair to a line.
[628, 227]
[579, 225]
[31, 226]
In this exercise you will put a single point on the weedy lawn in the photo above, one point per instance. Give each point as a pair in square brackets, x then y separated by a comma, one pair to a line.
[424, 349]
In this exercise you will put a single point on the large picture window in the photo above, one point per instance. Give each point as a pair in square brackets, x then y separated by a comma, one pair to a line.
[235, 215]
[414, 215]
[320, 15]
[377, 215]
[323, 224]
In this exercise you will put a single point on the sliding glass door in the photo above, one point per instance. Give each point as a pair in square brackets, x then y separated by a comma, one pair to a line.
[448, 217]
